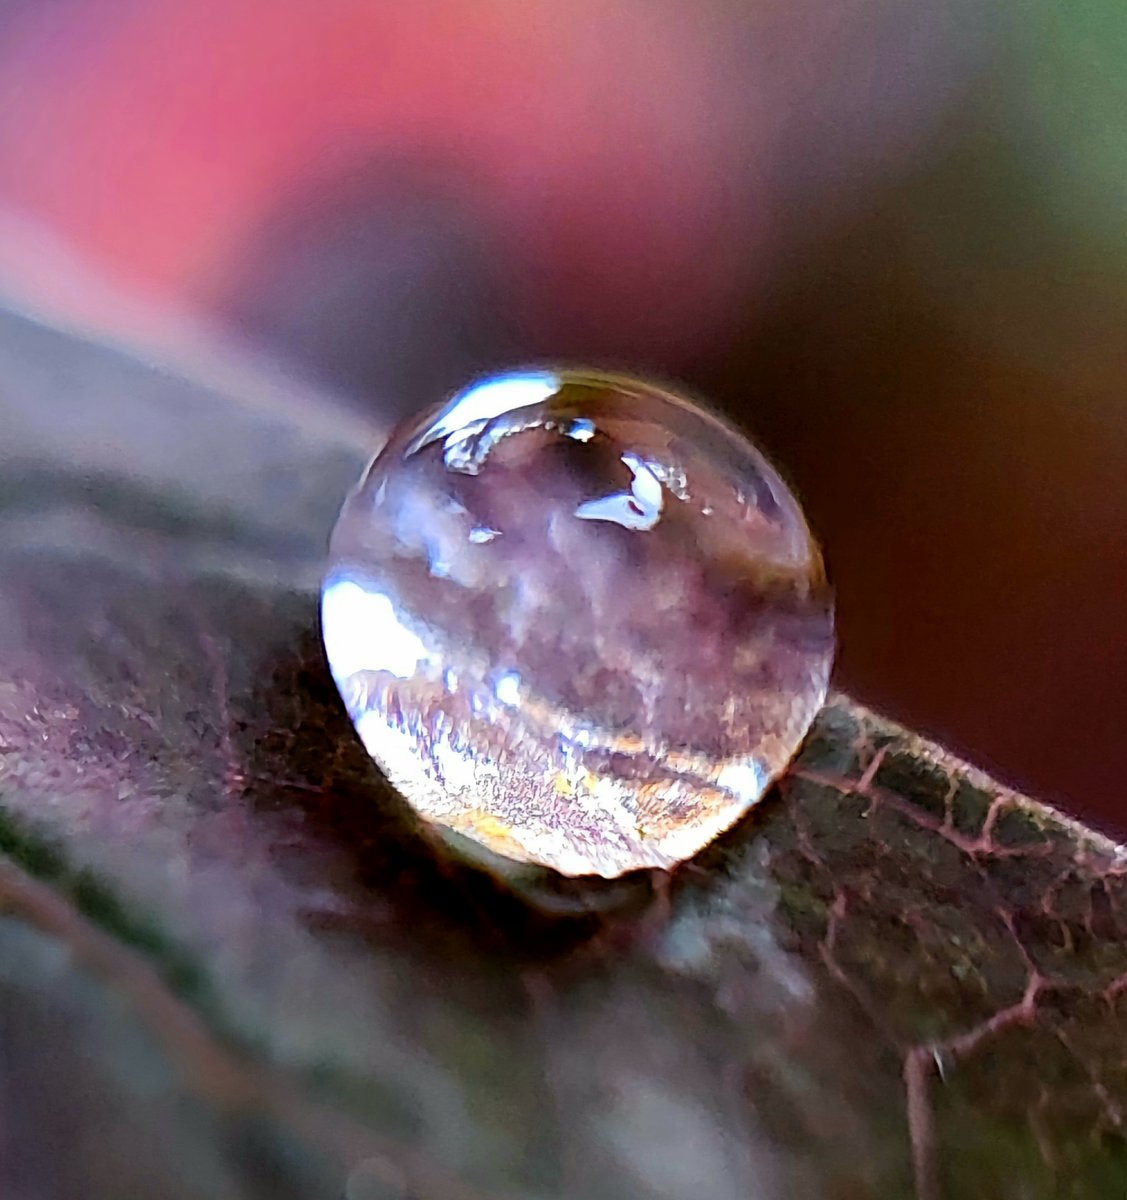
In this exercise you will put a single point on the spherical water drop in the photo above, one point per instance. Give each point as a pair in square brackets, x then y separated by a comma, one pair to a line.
[578, 620]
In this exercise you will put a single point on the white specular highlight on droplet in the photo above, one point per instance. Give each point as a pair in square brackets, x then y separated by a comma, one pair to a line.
[363, 633]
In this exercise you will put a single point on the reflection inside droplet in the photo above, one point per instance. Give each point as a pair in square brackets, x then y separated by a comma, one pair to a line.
[507, 688]
[363, 633]
[640, 508]
[473, 408]
[578, 619]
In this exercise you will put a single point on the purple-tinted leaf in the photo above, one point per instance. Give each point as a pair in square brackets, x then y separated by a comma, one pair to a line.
[231, 965]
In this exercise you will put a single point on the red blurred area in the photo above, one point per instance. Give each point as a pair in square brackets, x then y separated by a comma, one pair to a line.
[637, 162]
[596, 137]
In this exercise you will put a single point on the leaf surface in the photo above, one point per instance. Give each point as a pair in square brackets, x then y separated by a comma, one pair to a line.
[231, 964]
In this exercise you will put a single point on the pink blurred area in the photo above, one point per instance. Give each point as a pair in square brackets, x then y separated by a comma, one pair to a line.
[870, 230]
[637, 165]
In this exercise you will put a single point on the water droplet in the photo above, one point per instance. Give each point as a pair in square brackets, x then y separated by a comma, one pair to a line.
[578, 619]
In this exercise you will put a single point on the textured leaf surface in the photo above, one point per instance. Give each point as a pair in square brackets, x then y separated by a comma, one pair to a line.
[231, 966]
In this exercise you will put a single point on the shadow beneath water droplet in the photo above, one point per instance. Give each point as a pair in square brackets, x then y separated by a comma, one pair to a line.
[392, 875]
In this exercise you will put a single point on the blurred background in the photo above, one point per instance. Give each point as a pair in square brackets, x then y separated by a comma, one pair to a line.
[887, 238]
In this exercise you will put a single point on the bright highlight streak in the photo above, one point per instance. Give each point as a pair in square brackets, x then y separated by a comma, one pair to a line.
[362, 633]
[747, 779]
[487, 400]
[507, 688]
[639, 510]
